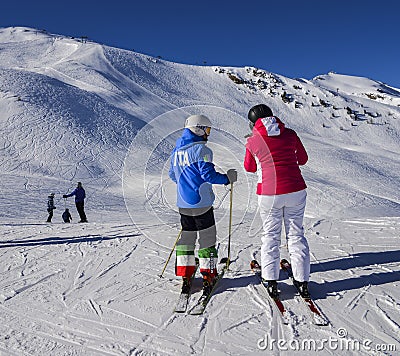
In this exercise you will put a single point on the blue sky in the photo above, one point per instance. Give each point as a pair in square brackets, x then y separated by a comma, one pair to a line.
[293, 38]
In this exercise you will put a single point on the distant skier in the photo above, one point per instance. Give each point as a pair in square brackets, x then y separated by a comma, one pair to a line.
[80, 196]
[50, 206]
[194, 173]
[275, 153]
[67, 216]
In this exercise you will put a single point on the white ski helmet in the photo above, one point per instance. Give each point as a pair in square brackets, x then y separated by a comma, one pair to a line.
[200, 125]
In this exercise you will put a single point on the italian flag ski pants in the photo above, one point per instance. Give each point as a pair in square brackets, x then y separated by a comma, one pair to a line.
[197, 224]
[288, 208]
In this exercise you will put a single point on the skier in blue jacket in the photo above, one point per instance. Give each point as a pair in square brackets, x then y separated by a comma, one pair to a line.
[80, 196]
[194, 173]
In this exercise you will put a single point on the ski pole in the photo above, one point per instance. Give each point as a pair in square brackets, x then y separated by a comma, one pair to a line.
[169, 257]
[230, 229]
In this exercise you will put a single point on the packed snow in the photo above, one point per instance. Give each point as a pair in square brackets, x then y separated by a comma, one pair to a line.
[75, 110]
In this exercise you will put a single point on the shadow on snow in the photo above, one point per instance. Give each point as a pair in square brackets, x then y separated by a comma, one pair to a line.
[60, 240]
[363, 262]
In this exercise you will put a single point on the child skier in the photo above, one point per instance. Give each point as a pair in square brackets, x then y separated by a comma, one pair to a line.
[66, 216]
[50, 206]
[194, 173]
[275, 153]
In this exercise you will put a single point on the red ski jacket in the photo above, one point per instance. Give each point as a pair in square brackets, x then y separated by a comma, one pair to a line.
[275, 153]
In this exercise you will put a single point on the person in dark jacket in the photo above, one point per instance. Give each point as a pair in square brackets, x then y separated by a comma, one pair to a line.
[275, 152]
[80, 196]
[67, 216]
[50, 206]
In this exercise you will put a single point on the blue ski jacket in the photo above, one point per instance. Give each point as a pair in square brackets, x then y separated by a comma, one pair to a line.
[193, 172]
[79, 193]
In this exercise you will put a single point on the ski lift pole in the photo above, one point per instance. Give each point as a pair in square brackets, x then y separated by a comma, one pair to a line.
[172, 251]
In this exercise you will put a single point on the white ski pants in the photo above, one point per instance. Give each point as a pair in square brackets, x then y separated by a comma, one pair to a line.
[289, 208]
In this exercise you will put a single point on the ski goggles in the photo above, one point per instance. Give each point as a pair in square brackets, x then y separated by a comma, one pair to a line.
[206, 129]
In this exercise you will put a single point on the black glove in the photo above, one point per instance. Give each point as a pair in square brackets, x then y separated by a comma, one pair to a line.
[65, 196]
[232, 175]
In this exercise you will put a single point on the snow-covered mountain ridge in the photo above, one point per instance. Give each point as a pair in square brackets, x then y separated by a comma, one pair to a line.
[80, 105]
[75, 110]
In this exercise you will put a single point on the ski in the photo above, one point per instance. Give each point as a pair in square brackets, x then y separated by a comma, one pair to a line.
[315, 312]
[183, 299]
[276, 302]
[182, 302]
[202, 302]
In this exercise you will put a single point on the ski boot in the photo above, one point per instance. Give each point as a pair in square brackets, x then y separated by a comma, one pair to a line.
[186, 285]
[302, 287]
[208, 283]
[272, 288]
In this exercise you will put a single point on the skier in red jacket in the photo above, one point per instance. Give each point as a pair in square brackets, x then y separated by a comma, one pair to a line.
[275, 153]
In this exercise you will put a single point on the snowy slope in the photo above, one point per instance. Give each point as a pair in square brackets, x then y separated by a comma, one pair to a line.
[73, 110]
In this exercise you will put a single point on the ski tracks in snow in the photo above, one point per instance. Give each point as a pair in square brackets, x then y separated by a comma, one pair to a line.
[59, 309]
[99, 292]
